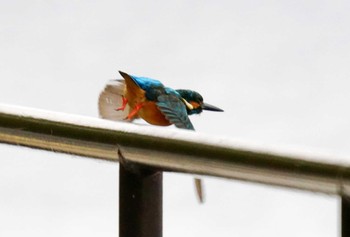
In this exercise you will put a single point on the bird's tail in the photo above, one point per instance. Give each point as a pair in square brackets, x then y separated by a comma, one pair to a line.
[110, 99]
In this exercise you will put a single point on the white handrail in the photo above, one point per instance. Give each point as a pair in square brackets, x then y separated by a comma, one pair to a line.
[172, 150]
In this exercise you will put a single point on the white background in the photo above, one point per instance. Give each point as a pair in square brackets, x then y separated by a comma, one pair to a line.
[279, 69]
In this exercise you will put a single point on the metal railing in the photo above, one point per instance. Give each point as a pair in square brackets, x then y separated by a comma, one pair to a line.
[153, 149]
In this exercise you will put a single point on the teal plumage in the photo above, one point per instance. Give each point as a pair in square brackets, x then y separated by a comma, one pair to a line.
[174, 105]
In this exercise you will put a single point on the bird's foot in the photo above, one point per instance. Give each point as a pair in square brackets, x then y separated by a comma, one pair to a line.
[125, 102]
[134, 112]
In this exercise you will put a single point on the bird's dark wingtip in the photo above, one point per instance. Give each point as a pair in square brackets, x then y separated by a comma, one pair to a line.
[123, 74]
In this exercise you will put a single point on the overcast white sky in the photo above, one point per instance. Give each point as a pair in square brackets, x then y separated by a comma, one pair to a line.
[279, 69]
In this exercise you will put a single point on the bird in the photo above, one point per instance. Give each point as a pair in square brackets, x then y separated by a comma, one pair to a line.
[135, 97]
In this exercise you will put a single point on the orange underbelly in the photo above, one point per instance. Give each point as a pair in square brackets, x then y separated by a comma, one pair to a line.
[151, 114]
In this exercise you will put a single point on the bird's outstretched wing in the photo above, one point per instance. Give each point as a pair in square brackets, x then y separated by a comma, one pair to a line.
[174, 110]
[110, 99]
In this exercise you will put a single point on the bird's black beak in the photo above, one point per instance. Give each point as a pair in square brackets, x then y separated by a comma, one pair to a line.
[206, 106]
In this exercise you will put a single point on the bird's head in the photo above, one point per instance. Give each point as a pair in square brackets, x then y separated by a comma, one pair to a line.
[194, 102]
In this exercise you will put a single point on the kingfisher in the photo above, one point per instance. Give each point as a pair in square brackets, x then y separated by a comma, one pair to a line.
[141, 97]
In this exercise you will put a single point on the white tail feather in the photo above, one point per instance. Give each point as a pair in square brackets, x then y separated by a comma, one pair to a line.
[110, 99]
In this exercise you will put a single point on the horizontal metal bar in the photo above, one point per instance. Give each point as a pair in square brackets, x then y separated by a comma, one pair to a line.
[172, 150]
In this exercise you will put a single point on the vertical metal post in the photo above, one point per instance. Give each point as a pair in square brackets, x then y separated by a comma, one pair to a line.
[140, 202]
[345, 216]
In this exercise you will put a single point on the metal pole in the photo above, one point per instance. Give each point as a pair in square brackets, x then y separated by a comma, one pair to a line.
[140, 202]
[345, 216]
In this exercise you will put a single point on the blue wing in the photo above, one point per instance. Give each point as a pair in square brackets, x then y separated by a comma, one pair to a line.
[146, 83]
[174, 110]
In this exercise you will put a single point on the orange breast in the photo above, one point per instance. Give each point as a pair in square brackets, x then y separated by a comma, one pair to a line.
[149, 111]
[133, 93]
[135, 97]
[152, 114]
